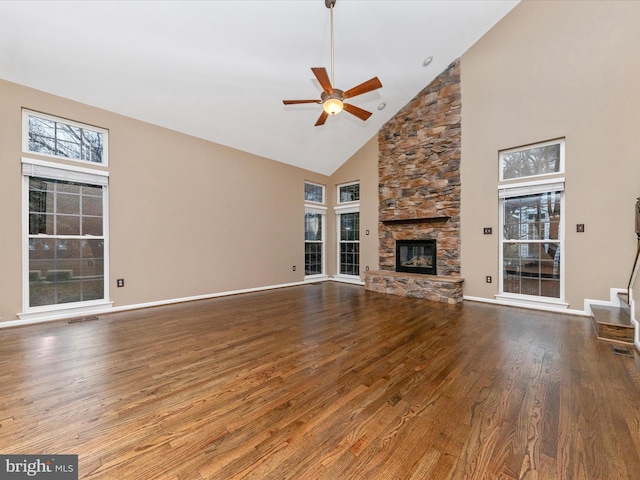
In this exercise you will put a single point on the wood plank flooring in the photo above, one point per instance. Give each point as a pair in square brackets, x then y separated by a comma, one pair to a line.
[323, 381]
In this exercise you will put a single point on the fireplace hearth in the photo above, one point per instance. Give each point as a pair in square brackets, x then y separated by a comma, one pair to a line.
[416, 256]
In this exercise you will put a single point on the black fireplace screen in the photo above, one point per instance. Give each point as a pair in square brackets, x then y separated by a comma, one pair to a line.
[416, 256]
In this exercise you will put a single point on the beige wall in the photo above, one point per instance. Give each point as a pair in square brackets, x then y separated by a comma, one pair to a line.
[187, 217]
[549, 70]
[362, 167]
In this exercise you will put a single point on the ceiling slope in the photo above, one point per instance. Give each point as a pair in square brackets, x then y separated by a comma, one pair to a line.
[219, 70]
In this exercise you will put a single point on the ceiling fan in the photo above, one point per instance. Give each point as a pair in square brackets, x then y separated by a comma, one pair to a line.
[332, 99]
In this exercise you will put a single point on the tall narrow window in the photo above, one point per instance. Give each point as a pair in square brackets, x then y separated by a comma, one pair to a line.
[532, 222]
[531, 245]
[65, 219]
[314, 231]
[350, 243]
[313, 243]
[348, 218]
[66, 237]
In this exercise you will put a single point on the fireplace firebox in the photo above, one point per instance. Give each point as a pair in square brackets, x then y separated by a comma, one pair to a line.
[416, 256]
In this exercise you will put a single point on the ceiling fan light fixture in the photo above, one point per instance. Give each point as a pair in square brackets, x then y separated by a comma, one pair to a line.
[333, 106]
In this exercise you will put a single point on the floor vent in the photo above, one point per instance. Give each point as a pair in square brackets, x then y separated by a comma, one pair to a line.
[83, 319]
[620, 350]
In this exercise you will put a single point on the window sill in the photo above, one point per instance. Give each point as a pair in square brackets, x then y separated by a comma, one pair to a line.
[42, 314]
[348, 279]
[315, 278]
[528, 301]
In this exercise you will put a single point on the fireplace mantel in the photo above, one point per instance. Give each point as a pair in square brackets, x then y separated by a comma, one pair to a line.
[397, 221]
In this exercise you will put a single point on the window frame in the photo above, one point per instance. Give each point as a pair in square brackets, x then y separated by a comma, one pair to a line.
[26, 113]
[323, 193]
[502, 153]
[339, 211]
[352, 206]
[528, 186]
[322, 211]
[338, 187]
[318, 208]
[44, 169]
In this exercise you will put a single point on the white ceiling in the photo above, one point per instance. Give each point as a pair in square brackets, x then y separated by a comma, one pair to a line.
[219, 70]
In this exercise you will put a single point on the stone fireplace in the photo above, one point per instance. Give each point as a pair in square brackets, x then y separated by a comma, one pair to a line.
[419, 193]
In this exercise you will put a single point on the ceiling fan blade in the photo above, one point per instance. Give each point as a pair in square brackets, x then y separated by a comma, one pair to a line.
[323, 78]
[365, 87]
[321, 119]
[357, 111]
[295, 102]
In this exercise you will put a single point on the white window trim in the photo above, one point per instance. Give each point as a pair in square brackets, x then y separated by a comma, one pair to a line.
[518, 190]
[60, 171]
[350, 208]
[25, 137]
[556, 141]
[30, 168]
[315, 209]
[522, 189]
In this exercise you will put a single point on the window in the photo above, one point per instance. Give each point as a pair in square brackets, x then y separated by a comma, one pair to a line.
[313, 238]
[348, 218]
[349, 193]
[65, 219]
[313, 192]
[531, 245]
[349, 243]
[56, 137]
[532, 223]
[540, 159]
[314, 235]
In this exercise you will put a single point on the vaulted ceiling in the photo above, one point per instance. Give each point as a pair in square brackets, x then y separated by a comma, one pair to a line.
[219, 70]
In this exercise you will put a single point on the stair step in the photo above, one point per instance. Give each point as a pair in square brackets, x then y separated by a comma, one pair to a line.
[612, 324]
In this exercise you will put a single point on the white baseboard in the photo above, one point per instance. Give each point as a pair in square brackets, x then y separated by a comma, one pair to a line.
[634, 322]
[79, 312]
[614, 300]
[545, 308]
[347, 279]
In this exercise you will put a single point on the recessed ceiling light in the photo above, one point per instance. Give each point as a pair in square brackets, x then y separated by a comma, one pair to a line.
[381, 106]
[427, 61]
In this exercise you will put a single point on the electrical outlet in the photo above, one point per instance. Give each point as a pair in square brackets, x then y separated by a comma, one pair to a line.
[294, 268]
[488, 230]
[120, 282]
[580, 228]
[366, 232]
[366, 269]
[489, 279]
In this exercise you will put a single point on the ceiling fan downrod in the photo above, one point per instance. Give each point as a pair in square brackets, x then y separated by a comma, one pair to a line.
[333, 81]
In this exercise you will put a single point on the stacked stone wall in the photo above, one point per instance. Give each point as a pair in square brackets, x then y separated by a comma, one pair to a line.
[419, 173]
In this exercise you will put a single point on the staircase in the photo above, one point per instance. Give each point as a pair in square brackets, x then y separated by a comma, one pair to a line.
[613, 324]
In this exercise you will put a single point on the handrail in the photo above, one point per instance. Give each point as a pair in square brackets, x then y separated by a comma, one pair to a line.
[634, 271]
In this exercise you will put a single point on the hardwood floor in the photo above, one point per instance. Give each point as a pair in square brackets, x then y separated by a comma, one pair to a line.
[323, 381]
